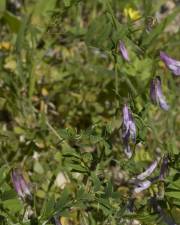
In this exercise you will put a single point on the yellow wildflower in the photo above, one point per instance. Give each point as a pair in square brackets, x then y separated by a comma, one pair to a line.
[64, 221]
[132, 13]
[44, 92]
[5, 45]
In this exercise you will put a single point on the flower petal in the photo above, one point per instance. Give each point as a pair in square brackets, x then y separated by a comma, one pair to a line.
[156, 94]
[123, 51]
[133, 131]
[129, 127]
[16, 183]
[142, 186]
[19, 183]
[171, 63]
[127, 151]
[148, 171]
[160, 96]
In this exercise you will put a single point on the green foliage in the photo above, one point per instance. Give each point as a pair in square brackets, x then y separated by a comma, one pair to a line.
[63, 84]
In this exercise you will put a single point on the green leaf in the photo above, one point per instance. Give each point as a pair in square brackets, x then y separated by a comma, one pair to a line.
[4, 170]
[76, 168]
[8, 195]
[21, 34]
[174, 185]
[2, 7]
[48, 208]
[42, 12]
[13, 205]
[96, 182]
[12, 20]
[83, 196]
[38, 167]
[174, 194]
[63, 200]
[43, 7]
[99, 32]
[67, 3]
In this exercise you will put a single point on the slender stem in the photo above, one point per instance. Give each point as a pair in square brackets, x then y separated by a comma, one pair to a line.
[54, 131]
[116, 80]
[131, 86]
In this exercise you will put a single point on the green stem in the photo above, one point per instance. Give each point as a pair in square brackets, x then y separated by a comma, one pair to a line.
[116, 79]
[129, 83]
[116, 83]
[54, 131]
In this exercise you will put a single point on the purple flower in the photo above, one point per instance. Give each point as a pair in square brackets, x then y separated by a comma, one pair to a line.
[171, 63]
[136, 180]
[129, 127]
[20, 185]
[142, 186]
[123, 51]
[148, 171]
[156, 94]
[128, 131]
[127, 149]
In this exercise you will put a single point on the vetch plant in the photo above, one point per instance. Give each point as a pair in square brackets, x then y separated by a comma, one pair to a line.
[172, 64]
[123, 51]
[156, 94]
[60, 113]
[148, 171]
[141, 186]
[128, 130]
[20, 184]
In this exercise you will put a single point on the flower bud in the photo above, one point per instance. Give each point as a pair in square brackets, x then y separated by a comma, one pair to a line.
[20, 184]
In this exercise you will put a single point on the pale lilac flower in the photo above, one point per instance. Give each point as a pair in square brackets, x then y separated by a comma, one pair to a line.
[156, 94]
[171, 63]
[148, 171]
[20, 185]
[123, 51]
[128, 131]
[127, 149]
[129, 127]
[141, 186]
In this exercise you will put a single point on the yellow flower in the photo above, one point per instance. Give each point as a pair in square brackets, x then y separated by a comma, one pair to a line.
[132, 13]
[5, 45]
[64, 221]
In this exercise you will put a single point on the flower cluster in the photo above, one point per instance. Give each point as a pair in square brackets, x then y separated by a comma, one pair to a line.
[156, 95]
[141, 184]
[129, 127]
